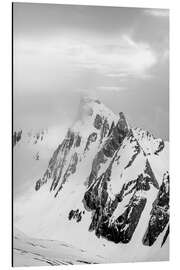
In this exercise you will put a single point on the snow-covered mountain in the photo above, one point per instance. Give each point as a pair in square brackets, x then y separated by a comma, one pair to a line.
[105, 188]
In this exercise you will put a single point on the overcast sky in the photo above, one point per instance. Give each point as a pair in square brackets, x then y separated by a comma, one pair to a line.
[120, 55]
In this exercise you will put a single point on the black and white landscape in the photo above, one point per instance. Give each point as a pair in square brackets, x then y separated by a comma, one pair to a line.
[90, 138]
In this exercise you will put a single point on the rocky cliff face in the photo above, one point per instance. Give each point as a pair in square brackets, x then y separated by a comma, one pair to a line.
[159, 216]
[131, 198]
[107, 178]
[87, 133]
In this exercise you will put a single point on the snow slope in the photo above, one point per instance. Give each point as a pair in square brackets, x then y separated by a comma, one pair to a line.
[39, 252]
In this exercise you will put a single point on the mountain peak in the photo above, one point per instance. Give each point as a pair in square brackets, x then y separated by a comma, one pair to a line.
[123, 124]
[89, 99]
[90, 108]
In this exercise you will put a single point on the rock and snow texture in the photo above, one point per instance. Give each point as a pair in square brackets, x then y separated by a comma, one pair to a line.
[105, 188]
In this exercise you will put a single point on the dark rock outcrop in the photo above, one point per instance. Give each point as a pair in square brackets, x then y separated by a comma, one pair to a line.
[117, 136]
[38, 185]
[165, 236]
[137, 148]
[98, 121]
[148, 179]
[76, 215]
[70, 170]
[122, 229]
[160, 147]
[92, 138]
[17, 137]
[77, 140]
[159, 214]
[97, 200]
[56, 166]
[110, 146]
[104, 130]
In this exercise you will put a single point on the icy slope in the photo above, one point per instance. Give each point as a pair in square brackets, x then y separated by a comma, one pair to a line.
[39, 252]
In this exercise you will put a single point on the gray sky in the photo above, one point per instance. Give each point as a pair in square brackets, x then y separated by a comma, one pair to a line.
[120, 55]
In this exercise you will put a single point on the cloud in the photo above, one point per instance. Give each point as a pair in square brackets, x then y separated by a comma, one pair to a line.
[163, 13]
[111, 88]
[58, 58]
[120, 75]
[121, 56]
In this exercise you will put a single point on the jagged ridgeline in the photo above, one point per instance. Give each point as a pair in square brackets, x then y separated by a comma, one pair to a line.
[123, 172]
